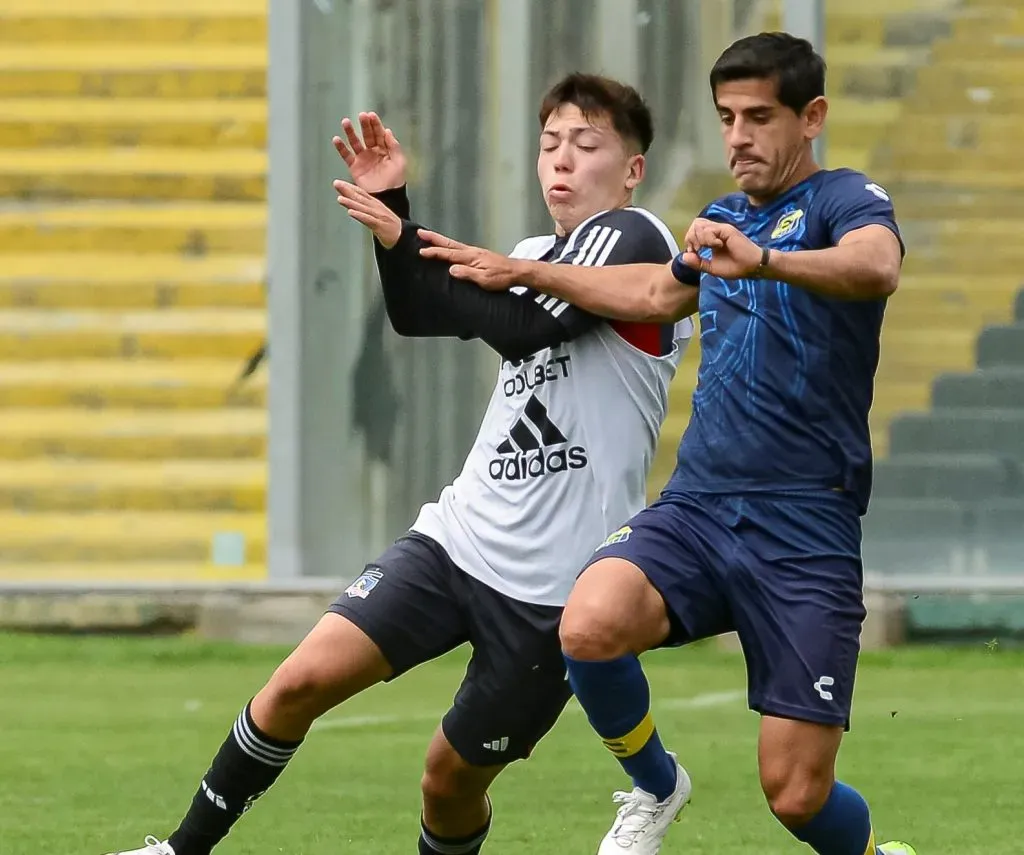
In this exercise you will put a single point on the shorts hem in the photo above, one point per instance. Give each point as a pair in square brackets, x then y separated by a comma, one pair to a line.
[470, 754]
[776, 709]
[364, 626]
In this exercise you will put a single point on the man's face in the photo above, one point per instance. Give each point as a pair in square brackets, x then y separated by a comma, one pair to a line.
[765, 141]
[584, 167]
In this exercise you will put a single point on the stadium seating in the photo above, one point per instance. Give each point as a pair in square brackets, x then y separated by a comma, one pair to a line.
[132, 178]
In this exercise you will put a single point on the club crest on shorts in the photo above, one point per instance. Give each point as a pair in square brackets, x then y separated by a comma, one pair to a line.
[619, 536]
[366, 582]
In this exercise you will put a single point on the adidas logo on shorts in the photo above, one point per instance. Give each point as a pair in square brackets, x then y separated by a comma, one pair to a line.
[498, 744]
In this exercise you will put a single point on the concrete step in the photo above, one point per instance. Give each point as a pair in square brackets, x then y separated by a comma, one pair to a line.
[188, 384]
[131, 572]
[105, 294]
[869, 72]
[134, 173]
[186, 229]
[226, 21]
[172, 485]
[924, 200]
[131, 8]
[860, 123]
[993, 24]
[962, 131]
[934, 157]
[985, 294]
[128, 435]
[945, 259]
[987, 71]
[1001, 230]
[90, 280]
[115, 70]
[942, 96]
[994, 46]
[231, 334]
[855, 157]
[940, 317]
[874, 8]
[159, 538]
[127, 123]
[980, 181]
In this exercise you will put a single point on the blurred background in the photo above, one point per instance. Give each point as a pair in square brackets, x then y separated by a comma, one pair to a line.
[165, 172]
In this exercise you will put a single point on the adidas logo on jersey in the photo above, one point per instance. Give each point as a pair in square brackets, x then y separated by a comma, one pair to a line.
[524, 455]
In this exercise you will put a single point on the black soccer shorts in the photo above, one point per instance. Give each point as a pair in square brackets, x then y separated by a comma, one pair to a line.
[415, 604]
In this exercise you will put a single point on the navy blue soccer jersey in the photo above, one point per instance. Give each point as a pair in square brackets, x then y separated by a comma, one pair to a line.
[786, 376]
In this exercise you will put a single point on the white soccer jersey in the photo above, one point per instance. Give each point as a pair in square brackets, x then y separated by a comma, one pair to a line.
[566, 443]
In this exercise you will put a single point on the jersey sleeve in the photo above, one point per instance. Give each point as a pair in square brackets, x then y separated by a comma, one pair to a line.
[622, 236]
[852, 201]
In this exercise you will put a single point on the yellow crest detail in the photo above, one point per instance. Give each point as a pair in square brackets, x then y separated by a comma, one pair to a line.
[788, 224]
[617, 536]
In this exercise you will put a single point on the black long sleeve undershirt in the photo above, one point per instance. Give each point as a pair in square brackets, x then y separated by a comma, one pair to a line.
[423, 300]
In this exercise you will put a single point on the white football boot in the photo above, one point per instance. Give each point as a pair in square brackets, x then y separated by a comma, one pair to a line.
[642, 821]
[152, 847]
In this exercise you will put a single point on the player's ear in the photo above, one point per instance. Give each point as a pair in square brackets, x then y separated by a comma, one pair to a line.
[814, 117]
[637, 165]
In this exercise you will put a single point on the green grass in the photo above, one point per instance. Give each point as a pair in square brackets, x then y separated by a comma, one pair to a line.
[104, 740]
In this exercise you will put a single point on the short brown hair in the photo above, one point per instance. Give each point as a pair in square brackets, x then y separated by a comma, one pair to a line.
[595, 96]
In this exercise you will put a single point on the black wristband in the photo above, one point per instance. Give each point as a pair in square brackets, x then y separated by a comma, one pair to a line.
[766, 255]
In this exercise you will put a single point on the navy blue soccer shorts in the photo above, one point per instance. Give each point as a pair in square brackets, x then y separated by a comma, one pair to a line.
[784, 572]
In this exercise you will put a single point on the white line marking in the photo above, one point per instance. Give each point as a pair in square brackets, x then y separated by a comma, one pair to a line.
[709, 699]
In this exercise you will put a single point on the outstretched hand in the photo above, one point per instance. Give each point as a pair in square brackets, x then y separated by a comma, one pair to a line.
[733, 254]
[385, 224]
[492, 271]
[375, 162]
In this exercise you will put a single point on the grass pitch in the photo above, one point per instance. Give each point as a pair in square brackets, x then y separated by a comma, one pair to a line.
[103, 741]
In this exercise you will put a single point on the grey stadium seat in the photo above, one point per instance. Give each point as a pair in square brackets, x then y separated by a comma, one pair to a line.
[914, 535]
[968, 477]
[998, 387]
[1001, 345]
[998, 526]
[997, 432]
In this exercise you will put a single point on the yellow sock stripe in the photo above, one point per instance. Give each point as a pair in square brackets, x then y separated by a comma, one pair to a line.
[871, 844]
[632, 742]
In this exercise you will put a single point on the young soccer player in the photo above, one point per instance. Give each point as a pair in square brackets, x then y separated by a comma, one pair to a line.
[562, 454]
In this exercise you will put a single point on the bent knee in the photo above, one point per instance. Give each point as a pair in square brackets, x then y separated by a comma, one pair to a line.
[300, 686]
[796, 797]
[449, 778]
[612, 611]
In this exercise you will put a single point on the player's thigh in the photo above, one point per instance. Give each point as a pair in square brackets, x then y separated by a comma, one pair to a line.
[407, 604]
[799, 608]
[335, 661]
[654, 582]
[515, 686]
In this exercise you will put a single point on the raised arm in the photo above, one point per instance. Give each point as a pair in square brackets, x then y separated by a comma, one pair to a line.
[423, 300]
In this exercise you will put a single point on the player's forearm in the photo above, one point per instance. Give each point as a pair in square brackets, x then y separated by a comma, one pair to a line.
[850, 272]
[414, 308]
[644, 293]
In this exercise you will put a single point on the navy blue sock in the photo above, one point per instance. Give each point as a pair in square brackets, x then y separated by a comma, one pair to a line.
[841, 827]
[617, 700]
